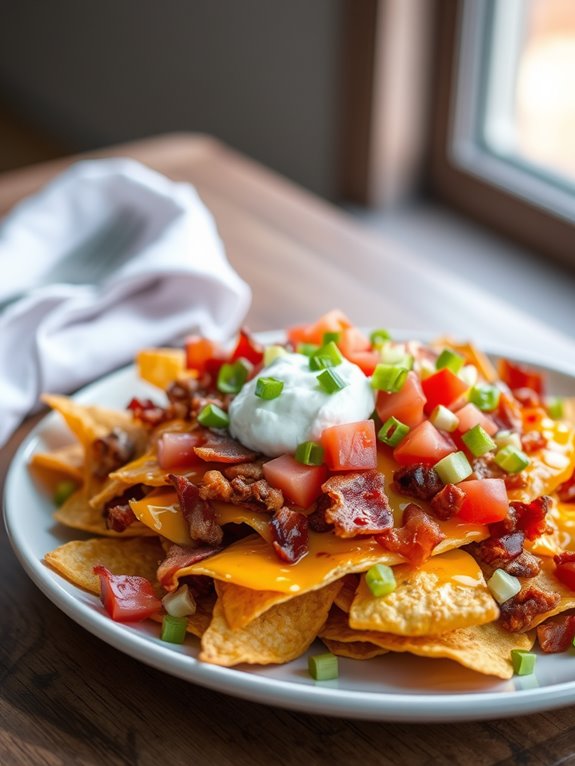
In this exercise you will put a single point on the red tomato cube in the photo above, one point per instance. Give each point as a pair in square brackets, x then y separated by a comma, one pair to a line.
[470, 416]
[300, 483]
[350, 446]
[405, 405]
[485, 501]
[424, 444]
[443, 387]
[176, 450]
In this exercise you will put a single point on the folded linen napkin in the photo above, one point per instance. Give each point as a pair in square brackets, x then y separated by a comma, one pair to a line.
[106, 259]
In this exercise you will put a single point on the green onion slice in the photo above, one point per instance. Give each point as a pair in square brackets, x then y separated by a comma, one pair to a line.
[309, 453]
[503, 586]
[327, 356]
[232, 376]
[269, 388]
[271, 353]
[392, 432]
[389, 377]
[511, 459]
[484, 397]
[307, 349]
[523, 662]
[330, 336]
[331, 381]
[174, 629]
[64, 489]
[478, 441]
[379, 337]
[449, 359]
[212, 416]
[556, 408]
[453, 468]
[380, 580]
[396, 357]
[444, 419]
[323, 667]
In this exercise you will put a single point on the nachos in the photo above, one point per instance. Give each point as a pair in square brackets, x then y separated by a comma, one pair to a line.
[381, 496]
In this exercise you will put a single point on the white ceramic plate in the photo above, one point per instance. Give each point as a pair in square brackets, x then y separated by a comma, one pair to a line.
[393, 687]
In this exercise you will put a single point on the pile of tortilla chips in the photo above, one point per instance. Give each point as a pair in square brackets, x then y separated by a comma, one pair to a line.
[256, 608]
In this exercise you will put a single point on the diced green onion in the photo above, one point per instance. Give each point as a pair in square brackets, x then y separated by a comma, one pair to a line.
[323, 667]
[271, 353]
[485, 397]
[64, 489]
[449, 359]
[503, 438]
[511, 459]
[378, 337]
[444, 419]
[426, 368]
[174, 629]
[392, 432]
[330, 381]
[503, 586]
[212, 416]
[327, 356]
[556, 408]
[523, 662]
[453, 468]
[307, 349]
[388, 377]
[269, 388]
[232, 377]
[180, 603]
[309, 453]
[468, 374]
[330, 336]
[478, 441]
[397, 357]
[380, 580]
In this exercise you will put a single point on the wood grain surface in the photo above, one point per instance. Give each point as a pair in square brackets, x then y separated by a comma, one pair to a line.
[68, 698]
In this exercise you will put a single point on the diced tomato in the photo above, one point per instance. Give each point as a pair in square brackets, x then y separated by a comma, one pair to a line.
[520, 376]
[200, 351]
[485, 501]
[300, 483]
[352, 340]
[443, 387]
[367, 361]
[405, 405]
[176, 450]
[247, 348]
[333, 321]
[350, 446]
[470, 416]
[424, 444]
[127, 598]
[566, 574]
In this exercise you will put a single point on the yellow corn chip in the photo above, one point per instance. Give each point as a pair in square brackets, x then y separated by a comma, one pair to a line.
[445, 593]
[66, 462]
[242, 605]
[354, 650]
[77, 513]
[344, 598]
[161, 366]
[111, 488]
[145, 470]
[76, 560]
[88, 422]
[283, 633]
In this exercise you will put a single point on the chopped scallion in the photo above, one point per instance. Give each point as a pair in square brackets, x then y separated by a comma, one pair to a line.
[271, 353]
[331, 381]
[307, 349]
[511, 459]
[389, 377]
[392, 432]
[453, 468]
[174, 629]
[180, 603]
[444, 419]
[503, 586]
[468, 374]
[309, 453]
[64, 489]
[323, 667]
[326, 356]
[330, 336]
[269, 388]
[556, 408]
[232, 377]
[478, 441]
[523, 662]
[396, 357]
[378, 337]
[484, 397]
[503, 438]
[380, 580]
[450, 359]
[212, 416]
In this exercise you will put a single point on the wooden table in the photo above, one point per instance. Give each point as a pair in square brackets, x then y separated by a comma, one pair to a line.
[67, 697]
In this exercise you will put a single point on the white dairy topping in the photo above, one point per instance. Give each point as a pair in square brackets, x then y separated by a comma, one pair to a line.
[302, 411]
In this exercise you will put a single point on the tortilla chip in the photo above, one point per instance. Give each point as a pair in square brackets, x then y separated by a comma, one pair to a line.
[89, 422]
[344, 598]
[243, 605]
[483, 648]
[283, 633]
[66, 462]
[77, 513]
[354, 650]
[445, 593]
[76, 560]
[145, 470]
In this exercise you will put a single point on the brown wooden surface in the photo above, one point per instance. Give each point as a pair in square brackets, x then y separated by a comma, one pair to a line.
[68, 698]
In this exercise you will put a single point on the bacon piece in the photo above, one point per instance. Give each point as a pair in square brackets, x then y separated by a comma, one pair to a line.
[359, 505]
[420, 481]
[525, 565]
[499, 551]
[179, 557]
[447, 502]
[531, 517]
[198, 513]
[566, 491]
[556, 635]
[486, 468]
[566, 557]
[189, 396]
[117, 512]
[221, 448]
[241, 491]
[416, 539]
[253, 471]
[111, 452]
[147, 412]
[533, 441]
[317, 519]
[290, 535]
[527, 397]
[509, 413]
[518, 612]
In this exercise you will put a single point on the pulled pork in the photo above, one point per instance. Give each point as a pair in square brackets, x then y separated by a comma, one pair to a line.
[241, 489]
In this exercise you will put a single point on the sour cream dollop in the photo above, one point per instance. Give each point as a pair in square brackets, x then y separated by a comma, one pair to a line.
[302, 411]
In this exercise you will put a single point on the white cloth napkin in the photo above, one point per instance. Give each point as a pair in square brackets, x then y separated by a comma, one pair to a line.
[108, 258]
